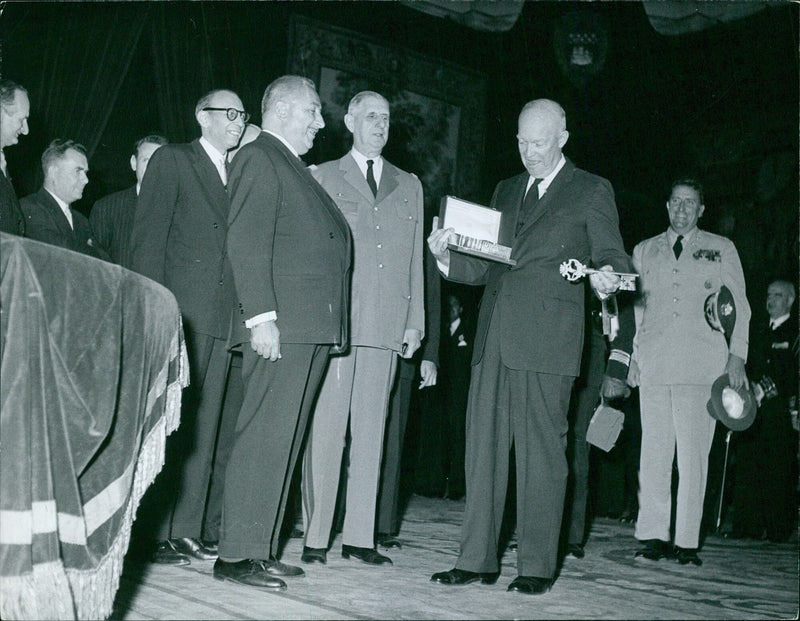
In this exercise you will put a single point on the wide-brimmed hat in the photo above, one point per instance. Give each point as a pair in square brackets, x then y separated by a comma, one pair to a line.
[734, 408]
[720, 311]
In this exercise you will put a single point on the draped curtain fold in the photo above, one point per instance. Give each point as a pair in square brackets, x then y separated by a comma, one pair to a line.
[85, 56]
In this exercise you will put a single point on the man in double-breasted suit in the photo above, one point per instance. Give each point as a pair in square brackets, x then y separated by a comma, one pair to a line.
[383, 206]
[178, 240]
[527, 348]
[290, 248]
[676, 358]
[49, 216]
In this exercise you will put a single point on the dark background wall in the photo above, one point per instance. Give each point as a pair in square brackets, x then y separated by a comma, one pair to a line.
[721, 104]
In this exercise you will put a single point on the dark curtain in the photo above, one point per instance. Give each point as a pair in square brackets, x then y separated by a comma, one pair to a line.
[191, 56]
[85, 55]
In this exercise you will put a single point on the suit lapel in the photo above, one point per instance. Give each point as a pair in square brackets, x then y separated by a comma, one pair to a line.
[55, 211]
[352, 174]
[209, 179]
[388, 181]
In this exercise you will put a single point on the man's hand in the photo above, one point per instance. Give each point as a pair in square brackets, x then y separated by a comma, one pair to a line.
[614, 388]
[633, 374]
[604, 284]
[411, 342]
[736, 373]
[265, 339]
[437, 242]
[427, 370]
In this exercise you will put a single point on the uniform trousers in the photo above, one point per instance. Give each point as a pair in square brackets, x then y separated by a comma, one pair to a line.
[529, 409]
[356, 387]
[674, 420]
[269, 433]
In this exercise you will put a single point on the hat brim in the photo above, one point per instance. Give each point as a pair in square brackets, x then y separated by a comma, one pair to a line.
[717, 410]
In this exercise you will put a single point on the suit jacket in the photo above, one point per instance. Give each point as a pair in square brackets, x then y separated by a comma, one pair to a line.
[112, 223]
[289, 245]
[674, 343]
[47, 223]
[433, 312]
[179, 230]
[541, 314]
[387, 292]
[12, 220]
[774, 354]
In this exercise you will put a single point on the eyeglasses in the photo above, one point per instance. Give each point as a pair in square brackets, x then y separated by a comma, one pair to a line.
[689, 203]
[232, 113]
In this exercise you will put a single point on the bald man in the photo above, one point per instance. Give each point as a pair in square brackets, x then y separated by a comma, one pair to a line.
[527, 348]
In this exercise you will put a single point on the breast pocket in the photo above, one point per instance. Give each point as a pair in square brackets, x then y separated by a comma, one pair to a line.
[405, 209]
[349, 209]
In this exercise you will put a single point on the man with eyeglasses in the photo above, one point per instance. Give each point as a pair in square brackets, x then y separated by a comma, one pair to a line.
[179, 240]
[677, 357]
[14, 110]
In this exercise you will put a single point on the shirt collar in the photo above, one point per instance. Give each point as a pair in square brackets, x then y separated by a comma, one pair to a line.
[212, 151]
[546, 181]
[283, 140]
[774, 323]
[672, 236]
[361, 160]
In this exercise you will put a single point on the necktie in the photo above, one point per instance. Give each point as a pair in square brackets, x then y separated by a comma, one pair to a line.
[371, 178]
[528, 204]
[223, 170]
[677, 248]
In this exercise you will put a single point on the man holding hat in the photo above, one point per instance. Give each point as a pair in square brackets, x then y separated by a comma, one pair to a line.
[677, 356]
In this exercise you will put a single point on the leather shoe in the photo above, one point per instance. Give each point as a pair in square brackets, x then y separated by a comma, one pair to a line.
[388, 541]
[276, 568]
[192, 547]
[461, 576]
[654, 550]
[687, 555]
[314, 555]
[165, 554]
[576, 550]
[249, 572]
[530, 585]
[366, 555]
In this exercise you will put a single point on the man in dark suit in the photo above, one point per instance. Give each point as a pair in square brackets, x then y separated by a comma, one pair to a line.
[14, 110]
[765, 500]
[112, 216]
[528, 345]
[178, 240]
[290, 248]
[49, 216]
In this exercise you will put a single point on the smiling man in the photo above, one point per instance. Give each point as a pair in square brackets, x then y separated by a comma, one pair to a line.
[14, 110]
[178, 240]
[290, 248]
[676, 358]
[383, 206]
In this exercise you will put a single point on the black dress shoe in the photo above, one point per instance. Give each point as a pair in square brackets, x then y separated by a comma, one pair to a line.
[276, 568]
[687, 555]
[165, 554]
[193, 547]
[249, 572]
[530, 585]
[576, 550]
[461, 576]
[366, 555]
[314, 555]
[388, 541]
[654, 550]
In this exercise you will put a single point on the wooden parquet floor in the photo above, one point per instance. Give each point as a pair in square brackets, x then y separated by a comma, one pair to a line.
[738, 580]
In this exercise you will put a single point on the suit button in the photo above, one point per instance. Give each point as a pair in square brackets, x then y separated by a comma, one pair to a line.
[220, 283]
[674, 270]
[377, 226]
[674, 314]
[380, 265]
[674, 299]
[380, 245]
[216, 226]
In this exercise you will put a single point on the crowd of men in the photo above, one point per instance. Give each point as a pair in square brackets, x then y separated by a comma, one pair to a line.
[303, 289]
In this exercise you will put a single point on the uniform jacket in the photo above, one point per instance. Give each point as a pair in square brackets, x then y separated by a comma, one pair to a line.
[112, 222]
[541, 313]
[44, 221]
[289, 245]
[179, 231]
[674, 344]
[12, 220]
[387, 292]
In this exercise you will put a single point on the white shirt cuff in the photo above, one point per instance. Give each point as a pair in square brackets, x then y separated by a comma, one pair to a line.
[258, 319]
